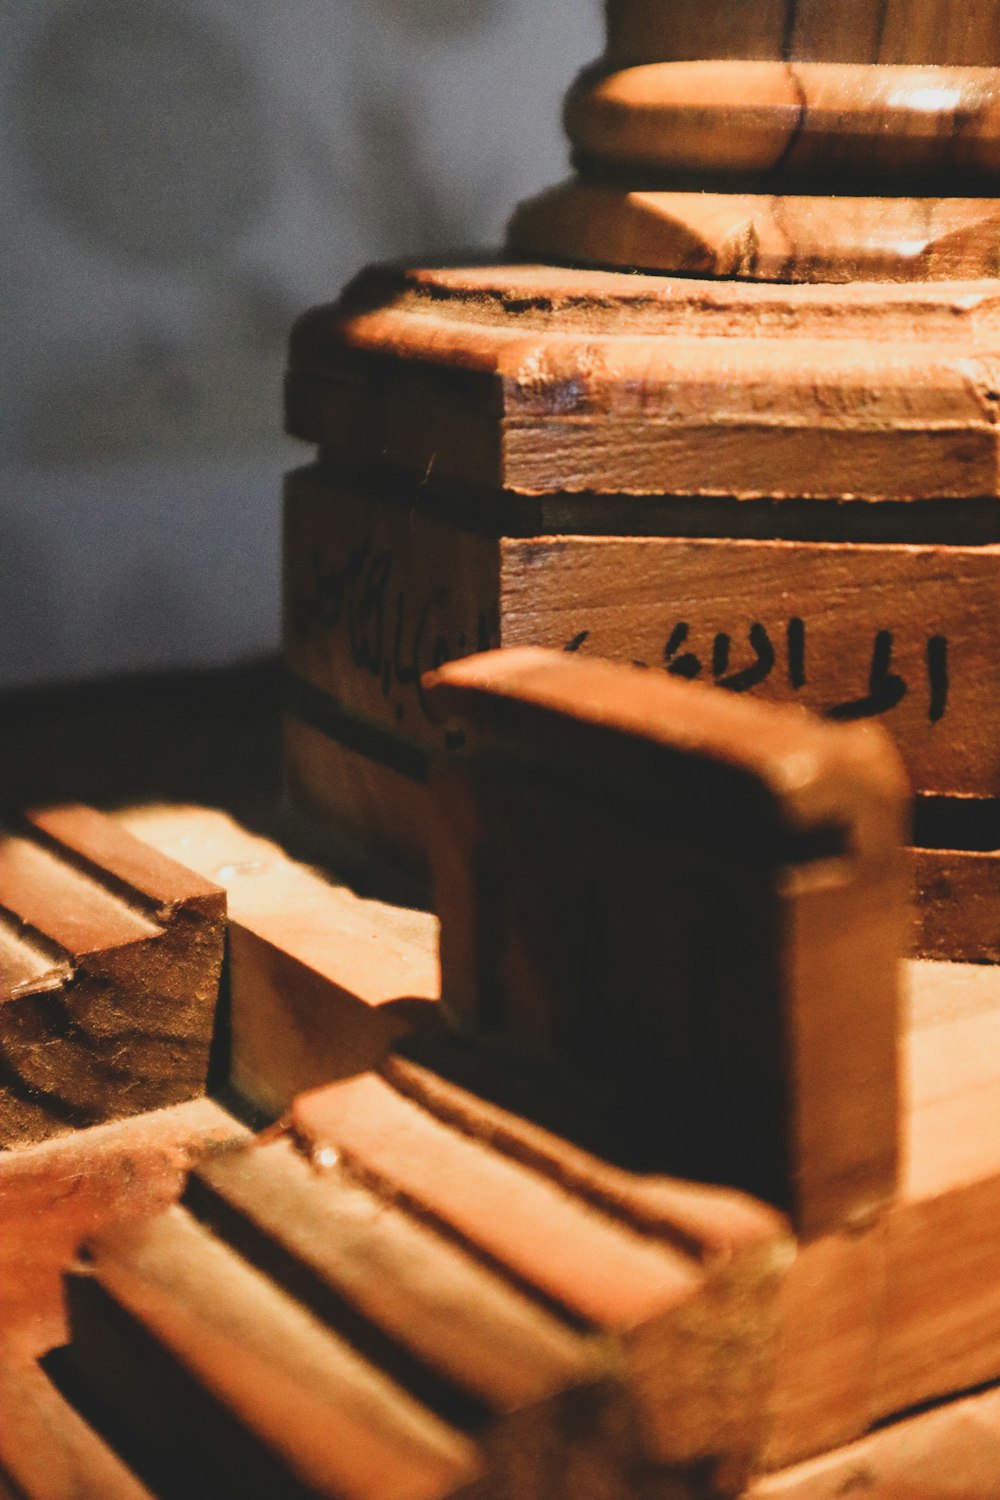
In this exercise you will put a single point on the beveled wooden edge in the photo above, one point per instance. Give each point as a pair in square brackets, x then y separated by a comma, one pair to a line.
[776, 117]
[406, 310]
[571, 706]
[763, 238]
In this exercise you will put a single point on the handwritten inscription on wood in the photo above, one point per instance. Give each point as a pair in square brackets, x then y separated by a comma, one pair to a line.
[903, 634]
[906, 635]
[375, 596]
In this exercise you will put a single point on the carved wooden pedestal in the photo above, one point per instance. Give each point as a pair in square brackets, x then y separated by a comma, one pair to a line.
[783, 479]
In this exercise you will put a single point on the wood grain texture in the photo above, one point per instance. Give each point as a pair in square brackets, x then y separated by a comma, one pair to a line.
[211, 1364]
[110, 961]
[541, 1397]
[855, 31]
[762, 237]
[583, 855]
[55, 1194]
[321, 981]
[900, 634]
[684, 1300]
[787, 122]
[908, 1312]
[604, 383]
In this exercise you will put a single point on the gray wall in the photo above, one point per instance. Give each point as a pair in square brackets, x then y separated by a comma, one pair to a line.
[179, 179]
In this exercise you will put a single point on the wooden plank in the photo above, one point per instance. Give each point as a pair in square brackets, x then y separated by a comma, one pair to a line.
[322, 981]
[581, 861]
[208, 1361]
[904, 634]
[452, 1331]
[111, 960]
[53, 1195]
[684, 1300]
[941, 31]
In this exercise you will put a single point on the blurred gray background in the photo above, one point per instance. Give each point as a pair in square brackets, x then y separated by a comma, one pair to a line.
[180, 178]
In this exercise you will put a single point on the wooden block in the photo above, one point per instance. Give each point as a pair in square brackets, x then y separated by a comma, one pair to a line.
[539, 1395]
[677, 1284]
[209, 1362]
[909, 1311]
[950, 1453]
[944, 31]
[762, 237]
[685, 904]
[897, 632]
[537, 380]
[322, 981]
[805, 122]
[48, 1452]
[110, 957]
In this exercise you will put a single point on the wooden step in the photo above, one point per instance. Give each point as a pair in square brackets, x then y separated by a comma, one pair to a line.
[538, 1393]
[110, 958]
[681, 1289]
[206, 1360]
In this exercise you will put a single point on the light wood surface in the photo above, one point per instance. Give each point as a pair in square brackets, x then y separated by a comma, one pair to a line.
[874, 1324]
[321, 981]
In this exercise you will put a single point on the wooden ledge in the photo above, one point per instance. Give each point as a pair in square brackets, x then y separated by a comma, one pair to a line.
[763, 238]
[784, 119]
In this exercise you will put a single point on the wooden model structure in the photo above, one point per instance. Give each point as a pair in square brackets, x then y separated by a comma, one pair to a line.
[652, 1165]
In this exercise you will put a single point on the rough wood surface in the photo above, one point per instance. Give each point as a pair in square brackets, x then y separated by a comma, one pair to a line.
[958, 908]
[855, 31]
[321, 981]
[762, 237]
[110, 960]
[805, 121]
[211, 1364]
[542, 380]
[681, 1287]
[690, 902]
